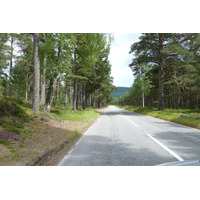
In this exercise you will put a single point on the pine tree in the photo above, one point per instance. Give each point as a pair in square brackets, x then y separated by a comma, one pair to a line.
[36, 83]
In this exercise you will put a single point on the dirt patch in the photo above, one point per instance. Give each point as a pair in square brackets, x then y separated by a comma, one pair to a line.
[43, 141]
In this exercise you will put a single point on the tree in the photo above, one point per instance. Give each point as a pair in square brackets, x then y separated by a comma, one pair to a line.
[36, 83]
[59, 63]
[3, 62]
[149, 50]
[71, 69]
[173, 62]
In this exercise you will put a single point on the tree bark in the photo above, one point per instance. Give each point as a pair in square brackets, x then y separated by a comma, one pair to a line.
[83, 96]
[77, 96]
[161, 90]
[36, 86]
[75, 85]
[66, 95]
[161, 74]
[43, 86]
[57, 90]
[71, 96]
[51, 92]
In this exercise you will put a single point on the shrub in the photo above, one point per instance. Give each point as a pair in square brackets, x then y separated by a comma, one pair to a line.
[8, 136]
[9, 106]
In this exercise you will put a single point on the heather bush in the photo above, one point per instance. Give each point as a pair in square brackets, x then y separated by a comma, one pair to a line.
[8, 136]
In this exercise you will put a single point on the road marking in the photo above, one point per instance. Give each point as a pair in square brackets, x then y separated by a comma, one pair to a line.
[129, 120]
[167, 149]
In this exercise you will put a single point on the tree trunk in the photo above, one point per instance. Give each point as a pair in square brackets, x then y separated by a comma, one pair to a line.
[66, 95]
[142, 94]
[75, 85]
[75, 94]
[71, 96]
[83, 96]
[57, 90]
[36, 86]
[98, 103]
[161, 75]
[51, 91]
[11, 66]
[27, 86]
[43, 85]
[161, 90]
[77, 97]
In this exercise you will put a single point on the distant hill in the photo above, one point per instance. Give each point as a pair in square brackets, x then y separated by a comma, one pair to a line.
[120, 91]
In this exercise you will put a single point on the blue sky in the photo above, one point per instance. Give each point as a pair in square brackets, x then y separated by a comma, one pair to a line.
[120, 58]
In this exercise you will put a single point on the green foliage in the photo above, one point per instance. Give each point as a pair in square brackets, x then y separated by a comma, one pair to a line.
[65, 59]
[172, 78]
[10, 106]
[141, 87]
[21, 145]
[63, 113]
[12, 114]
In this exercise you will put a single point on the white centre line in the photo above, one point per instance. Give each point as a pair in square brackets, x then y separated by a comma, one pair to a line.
[167, 149]
[129, 120]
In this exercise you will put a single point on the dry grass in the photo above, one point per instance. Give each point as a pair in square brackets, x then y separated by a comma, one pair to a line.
[41, 141]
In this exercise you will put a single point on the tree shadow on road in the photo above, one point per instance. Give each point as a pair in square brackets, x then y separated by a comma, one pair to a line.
[123, 112]
[102, 151]
[182, 142]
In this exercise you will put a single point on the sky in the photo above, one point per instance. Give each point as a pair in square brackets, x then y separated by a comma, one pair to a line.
[120, 58]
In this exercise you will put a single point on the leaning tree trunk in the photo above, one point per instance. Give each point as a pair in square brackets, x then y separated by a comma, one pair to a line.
[36, 83]
[57, 91]
[51, 92]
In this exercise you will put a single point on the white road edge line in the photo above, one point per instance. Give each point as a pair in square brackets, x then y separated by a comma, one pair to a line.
[129, 120]
[167, 149]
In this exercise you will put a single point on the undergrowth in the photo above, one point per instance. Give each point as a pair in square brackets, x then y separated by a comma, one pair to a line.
[63, 113]
[25, 135]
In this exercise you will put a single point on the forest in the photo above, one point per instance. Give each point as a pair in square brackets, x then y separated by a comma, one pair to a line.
[166, 67]
[46, 69]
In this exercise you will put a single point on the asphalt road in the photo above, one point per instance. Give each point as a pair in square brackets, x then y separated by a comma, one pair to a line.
[124, 138]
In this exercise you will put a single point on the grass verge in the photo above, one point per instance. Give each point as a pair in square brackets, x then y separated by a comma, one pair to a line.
[42, 138]
[188, 117]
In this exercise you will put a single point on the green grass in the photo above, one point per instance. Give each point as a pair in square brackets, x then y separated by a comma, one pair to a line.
[21, 145]
[67, 114]
[180, 116]
[14, 113]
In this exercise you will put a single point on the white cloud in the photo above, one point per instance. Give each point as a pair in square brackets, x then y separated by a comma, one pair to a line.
[120, 58]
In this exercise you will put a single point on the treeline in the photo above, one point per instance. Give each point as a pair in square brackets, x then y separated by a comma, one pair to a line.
[56, 68]
[166, 67]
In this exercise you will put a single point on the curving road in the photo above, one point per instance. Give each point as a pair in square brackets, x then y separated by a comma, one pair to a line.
[124, 138]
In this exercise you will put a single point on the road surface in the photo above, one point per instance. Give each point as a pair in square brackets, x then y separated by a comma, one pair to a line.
[124, 138]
